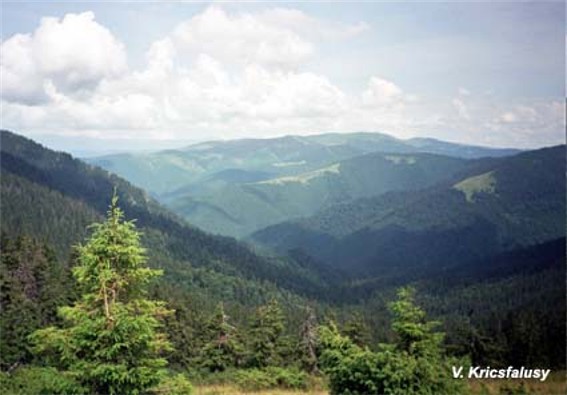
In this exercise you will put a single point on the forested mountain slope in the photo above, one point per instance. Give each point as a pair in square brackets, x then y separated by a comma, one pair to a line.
[240, 209]
[484, 246]
[494, 206]
[54, 197]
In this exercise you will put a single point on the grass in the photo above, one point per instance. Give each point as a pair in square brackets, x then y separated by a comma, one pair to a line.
[556, 384]
[224, 389]
[484, 183]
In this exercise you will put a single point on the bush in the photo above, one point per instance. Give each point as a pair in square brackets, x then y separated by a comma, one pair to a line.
[254, 380]
[270, 377]
[291, 378]
[174, 385]
[38, 381]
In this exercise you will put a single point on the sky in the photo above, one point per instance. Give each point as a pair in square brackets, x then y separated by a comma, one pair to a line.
[91, 77]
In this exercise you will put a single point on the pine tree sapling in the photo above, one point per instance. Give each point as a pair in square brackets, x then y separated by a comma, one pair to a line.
[110, 342]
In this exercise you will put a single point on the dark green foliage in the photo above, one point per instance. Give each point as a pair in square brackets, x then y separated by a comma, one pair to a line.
[39, 381]
[415, 364]
[357, 330]
[223, 349]
[491, 207]
[507, 309]
[33, 284]
[499, 308]
[271, 377]
[266, 335]
[53, 196]
[110, 342]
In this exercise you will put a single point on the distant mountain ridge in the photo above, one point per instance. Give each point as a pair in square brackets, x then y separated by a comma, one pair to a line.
[166, 171]
[237, 187]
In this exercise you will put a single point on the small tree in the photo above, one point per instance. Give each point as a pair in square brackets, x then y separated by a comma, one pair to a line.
[415, 365]
[111, 342]
[223, 349]
[418, 352]
[266, 335]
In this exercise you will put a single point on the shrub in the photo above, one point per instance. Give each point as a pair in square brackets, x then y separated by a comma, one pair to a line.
[291, 378]
[254, 380]
[270, 377]
[38, 381]
[174, 385]
[414, 365]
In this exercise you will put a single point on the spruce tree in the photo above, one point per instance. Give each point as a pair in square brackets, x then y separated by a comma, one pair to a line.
[110, 342]
[223, 349]
[357, 330]
[266, 335]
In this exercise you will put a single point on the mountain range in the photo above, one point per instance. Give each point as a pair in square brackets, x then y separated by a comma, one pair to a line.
[54, 197]
[237, 187]
[485, 207]
[481, 237]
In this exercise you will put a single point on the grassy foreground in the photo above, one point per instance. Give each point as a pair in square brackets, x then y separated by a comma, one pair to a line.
[225, 389]
[556, 384]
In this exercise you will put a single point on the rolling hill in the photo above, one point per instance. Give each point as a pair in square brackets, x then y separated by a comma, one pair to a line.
[240, 209]
[491, 207]
[167, 171]
[236, 187]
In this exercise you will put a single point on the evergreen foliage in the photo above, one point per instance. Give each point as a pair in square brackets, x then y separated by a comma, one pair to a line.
[266, 335]
[414, 364]
[110, 342]
[357, 330]
[32, 285]
[501, 309]
[223, 349]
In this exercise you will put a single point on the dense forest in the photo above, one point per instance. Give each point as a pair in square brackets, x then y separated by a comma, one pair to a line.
[284, 316]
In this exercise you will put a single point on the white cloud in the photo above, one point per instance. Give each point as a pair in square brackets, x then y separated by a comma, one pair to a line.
[381, 92]
[508, 117]
[74, 54]
[461, 108]
[245, 38]
[226, 75]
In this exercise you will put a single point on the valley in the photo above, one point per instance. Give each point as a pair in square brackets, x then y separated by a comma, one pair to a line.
[331, 231]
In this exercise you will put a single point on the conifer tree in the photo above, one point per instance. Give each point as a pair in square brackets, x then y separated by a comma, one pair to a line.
[224, 349]
[110, 342]
[357, 330]
[265, 335]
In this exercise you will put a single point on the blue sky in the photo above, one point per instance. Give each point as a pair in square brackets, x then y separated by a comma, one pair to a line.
[156, 74]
